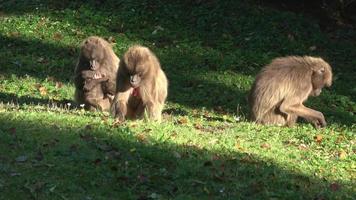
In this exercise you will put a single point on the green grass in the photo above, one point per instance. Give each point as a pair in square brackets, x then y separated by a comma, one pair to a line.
[205, 148]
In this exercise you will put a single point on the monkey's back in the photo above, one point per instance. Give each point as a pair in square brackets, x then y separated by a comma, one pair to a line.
[282, 79]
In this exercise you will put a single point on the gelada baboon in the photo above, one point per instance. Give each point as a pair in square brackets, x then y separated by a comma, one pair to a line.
[95, 74]
[281, 87]
[141, 86]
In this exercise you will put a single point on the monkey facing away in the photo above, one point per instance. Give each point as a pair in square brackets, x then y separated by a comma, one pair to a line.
[95, 74]
[141, 86]
[281, 87]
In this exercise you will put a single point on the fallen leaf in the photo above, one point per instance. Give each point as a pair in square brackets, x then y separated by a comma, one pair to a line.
[21, 159]
[237, 145]
[198, 126]
[342, 154]
[37, 85]
[57, 36]
[265, 146]
[59, 84]
[335, 187]
[15, 34]
[182, 120]
[40, 59]
[141, 137]
[302, 147]
[43, 91]
[117, 123]
[318, 138]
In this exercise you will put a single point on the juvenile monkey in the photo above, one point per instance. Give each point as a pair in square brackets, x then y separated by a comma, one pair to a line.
[95, 74]
[281, 87]
[141, 85]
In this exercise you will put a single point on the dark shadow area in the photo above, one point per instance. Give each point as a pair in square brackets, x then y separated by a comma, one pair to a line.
[23, 56]
[81, 163]
[7, 98]
[331, 14]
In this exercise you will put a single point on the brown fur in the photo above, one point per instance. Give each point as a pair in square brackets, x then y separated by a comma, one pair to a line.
[140, 69]
[281, 87]
[95, 74]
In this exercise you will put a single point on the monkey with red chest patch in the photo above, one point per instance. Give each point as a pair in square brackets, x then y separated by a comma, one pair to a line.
[141, 86]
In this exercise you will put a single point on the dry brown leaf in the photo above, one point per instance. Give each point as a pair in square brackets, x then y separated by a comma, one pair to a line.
[59, 84]
[335, 187]
[15, 34]
[265, 146]
[57, 36]
[342, 154]
[198, 126]
[43, 91]
[141, 137]
[302, 147]
[182, 120]
[318, 138]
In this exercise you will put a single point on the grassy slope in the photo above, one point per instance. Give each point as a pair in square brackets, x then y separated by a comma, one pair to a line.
[210, 53]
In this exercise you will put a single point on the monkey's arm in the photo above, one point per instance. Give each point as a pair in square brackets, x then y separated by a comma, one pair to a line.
[90, 83]
[110, 87]
[313, 116]
[90, 74]
[120, 103]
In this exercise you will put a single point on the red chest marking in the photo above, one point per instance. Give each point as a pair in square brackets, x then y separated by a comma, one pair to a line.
[136, 92]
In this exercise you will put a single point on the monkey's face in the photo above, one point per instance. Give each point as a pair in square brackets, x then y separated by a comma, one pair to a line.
[94, 52]
[135, 80]
[137, 74]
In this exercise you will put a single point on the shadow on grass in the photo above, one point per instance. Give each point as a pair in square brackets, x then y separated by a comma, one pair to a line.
[88, 163]
[23, 56]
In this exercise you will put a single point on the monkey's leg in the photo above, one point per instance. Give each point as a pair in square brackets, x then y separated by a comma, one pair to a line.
[313, 116]
[154, 110]
[92, 104]
[272, 118]
[104, 104]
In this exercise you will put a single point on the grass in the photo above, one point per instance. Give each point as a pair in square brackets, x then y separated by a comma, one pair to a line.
[205, 148]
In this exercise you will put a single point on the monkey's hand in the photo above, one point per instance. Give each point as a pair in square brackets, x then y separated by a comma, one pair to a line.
[90, 84]
[98, 75]
[319, 122]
